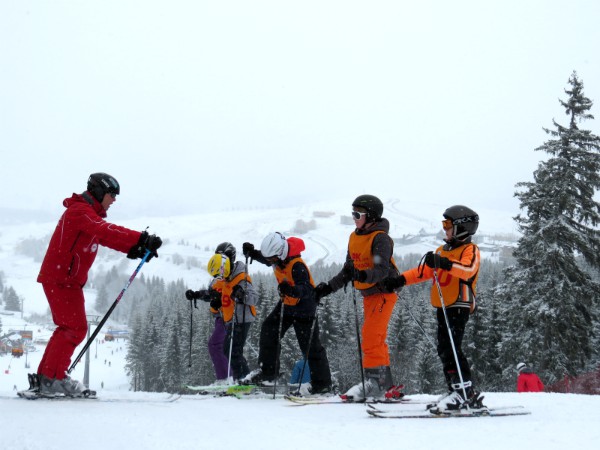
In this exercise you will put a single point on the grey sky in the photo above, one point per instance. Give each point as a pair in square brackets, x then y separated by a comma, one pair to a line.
[196, 105]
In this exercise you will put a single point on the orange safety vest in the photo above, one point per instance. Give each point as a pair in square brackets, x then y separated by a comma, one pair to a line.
[226, 288]
[459, 284]
[285, 274]
[360, 250]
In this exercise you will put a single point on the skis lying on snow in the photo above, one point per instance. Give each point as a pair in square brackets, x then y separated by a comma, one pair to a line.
[426, 414]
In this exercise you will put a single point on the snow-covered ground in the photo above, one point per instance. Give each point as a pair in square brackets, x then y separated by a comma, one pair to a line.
[147, 422]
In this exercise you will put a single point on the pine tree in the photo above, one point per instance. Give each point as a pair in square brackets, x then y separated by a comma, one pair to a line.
[102, 299]
[12, 302]
[547, 293]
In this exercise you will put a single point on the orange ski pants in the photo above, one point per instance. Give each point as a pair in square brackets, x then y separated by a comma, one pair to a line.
[377, 311]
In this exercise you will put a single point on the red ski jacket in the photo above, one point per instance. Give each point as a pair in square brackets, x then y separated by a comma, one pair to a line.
[74, 244]
[529, 382]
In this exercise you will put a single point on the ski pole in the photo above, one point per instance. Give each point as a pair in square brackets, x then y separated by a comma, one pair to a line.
[191, 328]
[278, 362]
[312, 332]
[462, 383]
[360, 357]
[418, 324]
[106, 316]
[231, 335]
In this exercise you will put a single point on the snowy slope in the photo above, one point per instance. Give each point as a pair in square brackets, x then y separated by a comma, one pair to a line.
[558, 421]
[196, 236]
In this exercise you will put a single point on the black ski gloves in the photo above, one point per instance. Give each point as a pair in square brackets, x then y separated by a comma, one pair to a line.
[215, 299]
[197, 295]
[145, 242]
[286, 289]
[393, 284]
[359, 275]
[249, 251]
[322, 290]
[238, 294]
[436, 261]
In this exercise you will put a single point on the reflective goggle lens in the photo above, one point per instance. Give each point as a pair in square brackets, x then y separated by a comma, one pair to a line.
[447, 224]
[357, 215]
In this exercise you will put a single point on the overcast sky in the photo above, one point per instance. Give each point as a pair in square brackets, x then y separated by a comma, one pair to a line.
[203, 105]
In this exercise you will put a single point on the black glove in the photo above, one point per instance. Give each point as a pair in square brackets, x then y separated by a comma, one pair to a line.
[214, 298]
[348, 270]
[238, 294]
[145, 242]
[197, 295]
[286, 289]
[322, 290]
[359, 275]
[395, 283]
[436, 261]
[247, 249]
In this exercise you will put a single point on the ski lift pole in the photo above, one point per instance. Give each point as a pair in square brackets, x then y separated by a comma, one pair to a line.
[107, 315]
[460, 376]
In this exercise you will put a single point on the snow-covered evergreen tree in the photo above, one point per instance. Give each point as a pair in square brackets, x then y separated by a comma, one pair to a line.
[547, 295]
[12, 302]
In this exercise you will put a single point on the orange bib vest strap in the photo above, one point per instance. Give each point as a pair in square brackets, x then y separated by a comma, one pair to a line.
[285, 274]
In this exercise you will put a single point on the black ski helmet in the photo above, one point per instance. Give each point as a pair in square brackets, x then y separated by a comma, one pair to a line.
[464, 219]
[227, 249]
[371, 204]
[102, 183]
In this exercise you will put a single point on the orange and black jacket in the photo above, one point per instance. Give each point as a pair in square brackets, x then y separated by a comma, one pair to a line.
[459, 284]
[369, 250]
[295, 272]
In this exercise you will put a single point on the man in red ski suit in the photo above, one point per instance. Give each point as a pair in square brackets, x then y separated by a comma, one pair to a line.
[71, 252]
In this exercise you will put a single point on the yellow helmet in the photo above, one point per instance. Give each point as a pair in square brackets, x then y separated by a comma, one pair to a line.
[219, 266]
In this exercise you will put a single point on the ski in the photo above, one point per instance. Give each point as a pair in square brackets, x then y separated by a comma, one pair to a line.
[28, 395]
[491, 412]
[340, 400]
[34, 395]
[237, 390]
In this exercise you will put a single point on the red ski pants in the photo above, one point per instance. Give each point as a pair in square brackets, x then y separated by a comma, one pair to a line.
[68, 312]
[377, 310]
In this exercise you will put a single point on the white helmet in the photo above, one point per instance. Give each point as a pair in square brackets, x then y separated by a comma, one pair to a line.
[274, 244]
[521, 366]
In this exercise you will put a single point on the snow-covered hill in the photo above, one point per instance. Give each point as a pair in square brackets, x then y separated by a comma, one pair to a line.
[190, 240]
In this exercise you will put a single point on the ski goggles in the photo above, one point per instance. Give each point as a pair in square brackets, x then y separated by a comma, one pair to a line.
[356, 215]
[447, 224]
